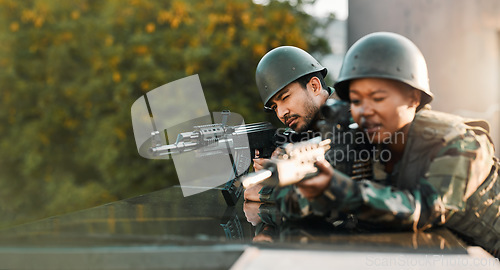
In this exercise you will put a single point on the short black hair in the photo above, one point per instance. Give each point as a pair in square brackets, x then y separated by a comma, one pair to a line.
[304, 80]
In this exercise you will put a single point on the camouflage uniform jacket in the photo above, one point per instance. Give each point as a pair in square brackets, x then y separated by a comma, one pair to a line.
[447, 176]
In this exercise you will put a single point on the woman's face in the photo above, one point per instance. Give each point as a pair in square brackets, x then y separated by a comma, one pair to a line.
[383, 108]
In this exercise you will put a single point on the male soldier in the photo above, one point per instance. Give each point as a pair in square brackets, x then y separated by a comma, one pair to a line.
[441, 168]
[291, 83]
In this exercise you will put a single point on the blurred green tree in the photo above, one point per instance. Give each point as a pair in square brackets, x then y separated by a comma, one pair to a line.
[70, 71]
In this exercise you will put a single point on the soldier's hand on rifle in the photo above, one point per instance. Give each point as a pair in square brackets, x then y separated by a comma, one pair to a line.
[315, 186]
[258, 162]
[252, 193]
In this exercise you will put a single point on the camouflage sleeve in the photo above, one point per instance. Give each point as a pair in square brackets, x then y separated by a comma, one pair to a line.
[458, 170]
[286, 200]
[377, 204]
[291, 204]
[265, 194]
[454, 174]
[368, 200]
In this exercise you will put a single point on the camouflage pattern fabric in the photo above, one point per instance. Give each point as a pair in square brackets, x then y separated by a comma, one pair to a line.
[447, 176]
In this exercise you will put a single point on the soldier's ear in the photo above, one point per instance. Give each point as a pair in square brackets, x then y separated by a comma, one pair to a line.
[315, 85]
[416, 96]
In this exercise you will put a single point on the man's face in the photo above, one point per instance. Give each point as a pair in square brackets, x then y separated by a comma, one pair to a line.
[382, 107]
[295, 106]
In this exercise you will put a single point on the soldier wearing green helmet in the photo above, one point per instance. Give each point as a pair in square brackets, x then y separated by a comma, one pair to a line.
[440, 169]
[291, 84]
[370, 58]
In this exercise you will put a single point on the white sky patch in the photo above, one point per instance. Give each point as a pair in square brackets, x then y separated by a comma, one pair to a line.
[323, 8]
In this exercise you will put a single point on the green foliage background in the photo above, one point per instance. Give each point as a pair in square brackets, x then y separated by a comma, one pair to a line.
[70, 71]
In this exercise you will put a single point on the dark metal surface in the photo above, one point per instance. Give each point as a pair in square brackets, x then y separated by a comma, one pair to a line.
[175, 226]
[160, 217]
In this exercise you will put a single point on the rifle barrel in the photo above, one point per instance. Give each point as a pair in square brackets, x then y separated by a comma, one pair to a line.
[172, 148]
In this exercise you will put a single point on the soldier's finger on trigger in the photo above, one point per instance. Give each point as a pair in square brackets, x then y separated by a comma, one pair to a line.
[257, 164]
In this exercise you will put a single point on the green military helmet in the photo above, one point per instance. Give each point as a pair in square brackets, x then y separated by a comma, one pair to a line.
[281, 66]
[385, 55]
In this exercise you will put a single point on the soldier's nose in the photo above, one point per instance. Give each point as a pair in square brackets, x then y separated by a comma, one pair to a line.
[366, 110]
[281, 112]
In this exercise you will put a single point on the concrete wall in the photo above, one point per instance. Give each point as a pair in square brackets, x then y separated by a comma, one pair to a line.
[460, 40]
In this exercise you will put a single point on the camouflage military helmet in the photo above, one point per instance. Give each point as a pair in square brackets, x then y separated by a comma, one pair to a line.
[384, 55]
[281, 66]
